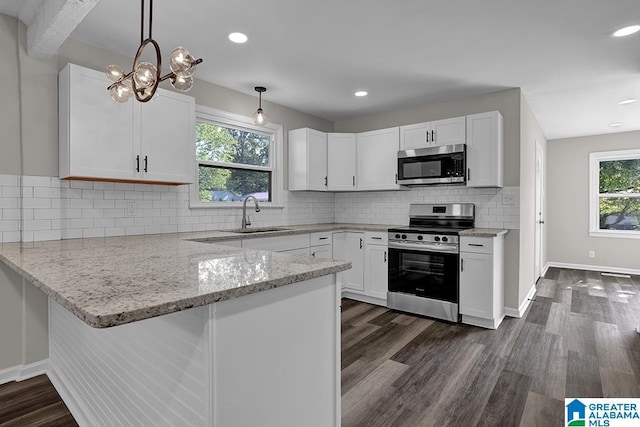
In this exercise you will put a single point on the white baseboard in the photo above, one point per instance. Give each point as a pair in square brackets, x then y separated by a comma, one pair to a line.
[364, 298]
[545, 269]
[519, 312]
[68, 399]
[24, 372]
[601, 268]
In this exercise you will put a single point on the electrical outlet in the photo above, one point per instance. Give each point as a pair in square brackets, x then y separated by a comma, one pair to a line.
[131, 209]
[507, 199]
[592, 254]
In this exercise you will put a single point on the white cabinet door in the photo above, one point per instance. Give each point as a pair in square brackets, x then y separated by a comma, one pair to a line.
[96, 133]
[448, 131]
[485, 150]
[320, 251]
[415, 136]
[341, 158]
[167, 135]
[376, 271]
[307, 160]
[354, 278]
[476, 281]
[378, 159]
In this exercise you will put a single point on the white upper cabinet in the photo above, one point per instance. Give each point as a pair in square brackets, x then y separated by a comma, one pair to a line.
[307, 160]
[485, 150]
[168, 138]
[101, 139]
[341, 149]
[377, 164]
[435, 133]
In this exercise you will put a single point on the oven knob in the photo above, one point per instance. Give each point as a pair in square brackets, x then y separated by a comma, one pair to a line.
[404, 237]
[436, 239]
[419, 237]
[445, 239]
[397, 236]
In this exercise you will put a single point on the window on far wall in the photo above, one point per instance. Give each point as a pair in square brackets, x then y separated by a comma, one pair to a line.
[235, 159]
[615, 193]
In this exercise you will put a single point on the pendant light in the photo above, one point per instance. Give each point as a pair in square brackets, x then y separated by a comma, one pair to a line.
[259, 117]
[142, 82]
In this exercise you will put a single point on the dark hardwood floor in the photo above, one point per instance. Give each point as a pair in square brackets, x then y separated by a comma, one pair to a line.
[577, 339]
[33, 402]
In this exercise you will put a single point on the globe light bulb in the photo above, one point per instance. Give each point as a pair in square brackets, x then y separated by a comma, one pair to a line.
[114, 72]
[181, 60]
[182, 82]
[145, 74]
[260, 118]
[121, 92]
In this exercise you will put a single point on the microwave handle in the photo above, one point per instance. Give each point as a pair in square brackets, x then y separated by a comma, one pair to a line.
[468, 174]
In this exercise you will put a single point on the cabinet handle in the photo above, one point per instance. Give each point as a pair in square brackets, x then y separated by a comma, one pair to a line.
[313, 254]
[361, 243]
[376, 238]
[433, 136]
[461, 264]
[468, 174]
[138, 163]
[427, 136]
[476, 244]
[325, 181]
[354, 180]
[385, 256]
[396, 178]
[323, 238]
[146, 163]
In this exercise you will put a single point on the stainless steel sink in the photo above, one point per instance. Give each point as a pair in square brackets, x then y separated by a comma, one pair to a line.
[257, 230]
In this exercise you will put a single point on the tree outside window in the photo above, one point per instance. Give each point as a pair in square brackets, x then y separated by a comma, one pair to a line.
[616, 197]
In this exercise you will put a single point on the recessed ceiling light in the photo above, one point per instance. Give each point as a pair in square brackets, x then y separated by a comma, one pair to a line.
[626, 31]
[627, 101]
[615, 125]
[238, 37]
[361, 93]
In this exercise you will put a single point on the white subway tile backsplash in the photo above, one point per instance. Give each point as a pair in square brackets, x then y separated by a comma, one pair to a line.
[52, 209]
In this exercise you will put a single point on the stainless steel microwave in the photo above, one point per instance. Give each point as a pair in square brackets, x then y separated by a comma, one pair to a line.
[445, 164]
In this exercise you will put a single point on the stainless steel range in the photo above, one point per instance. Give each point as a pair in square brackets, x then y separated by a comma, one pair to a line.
[424, 260]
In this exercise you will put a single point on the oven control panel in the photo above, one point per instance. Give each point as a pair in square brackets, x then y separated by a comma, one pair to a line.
[422, 237]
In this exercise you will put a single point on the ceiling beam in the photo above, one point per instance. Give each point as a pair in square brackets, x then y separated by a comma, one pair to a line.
[51, 24]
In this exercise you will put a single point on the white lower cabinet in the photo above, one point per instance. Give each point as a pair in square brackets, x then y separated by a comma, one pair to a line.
[320, 245]
[482, 280]
[367, 279]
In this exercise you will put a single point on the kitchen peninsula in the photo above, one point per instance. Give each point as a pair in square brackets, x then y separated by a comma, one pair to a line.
[163, 330]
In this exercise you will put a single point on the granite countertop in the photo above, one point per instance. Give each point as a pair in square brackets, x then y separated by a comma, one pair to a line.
[484, 232]
[117, 280]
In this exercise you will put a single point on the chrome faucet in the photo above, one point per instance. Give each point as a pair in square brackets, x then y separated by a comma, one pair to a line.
[245, 217]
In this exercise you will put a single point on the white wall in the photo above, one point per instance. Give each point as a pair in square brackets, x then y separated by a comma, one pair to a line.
[568, 205]
[530, 132]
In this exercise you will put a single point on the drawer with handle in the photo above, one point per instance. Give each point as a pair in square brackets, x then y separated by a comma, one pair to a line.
[320, 238]
[376, 238]
[481, 245]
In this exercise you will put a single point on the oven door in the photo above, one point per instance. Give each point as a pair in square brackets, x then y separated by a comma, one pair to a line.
[424, 274]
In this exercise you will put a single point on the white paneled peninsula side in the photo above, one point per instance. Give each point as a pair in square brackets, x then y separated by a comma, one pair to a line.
[163, 330]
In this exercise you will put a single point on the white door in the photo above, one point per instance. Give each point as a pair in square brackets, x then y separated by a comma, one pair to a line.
[538, 267]
[415, 136]
[341, 162]
[320, 251]
[476, 298]
[167, 135]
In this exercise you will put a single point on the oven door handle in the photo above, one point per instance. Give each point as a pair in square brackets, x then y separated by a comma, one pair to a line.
[426, 247]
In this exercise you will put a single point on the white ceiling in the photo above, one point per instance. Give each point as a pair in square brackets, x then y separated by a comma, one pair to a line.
[313, 55]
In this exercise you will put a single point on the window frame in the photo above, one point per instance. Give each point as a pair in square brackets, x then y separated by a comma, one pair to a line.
[225, 119]
[594, 192]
